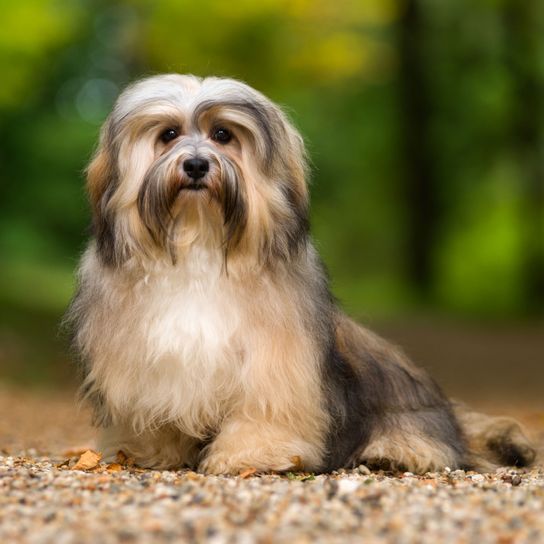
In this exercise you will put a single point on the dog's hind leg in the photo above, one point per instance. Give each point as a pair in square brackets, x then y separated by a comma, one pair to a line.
[403, 443]
[409, 423]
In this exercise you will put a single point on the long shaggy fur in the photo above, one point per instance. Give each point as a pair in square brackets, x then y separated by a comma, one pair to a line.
[204, 320]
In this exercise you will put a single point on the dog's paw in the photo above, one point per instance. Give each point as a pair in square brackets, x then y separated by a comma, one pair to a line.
[381, 463]
[396, 451]
[222, 463]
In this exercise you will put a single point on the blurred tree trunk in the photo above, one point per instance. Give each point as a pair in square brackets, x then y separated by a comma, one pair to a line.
[525, 29]
[418, 169]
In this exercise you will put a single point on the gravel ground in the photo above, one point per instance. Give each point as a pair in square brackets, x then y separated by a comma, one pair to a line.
[44, 500]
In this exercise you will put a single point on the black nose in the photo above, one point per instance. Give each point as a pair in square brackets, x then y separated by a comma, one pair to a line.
[196, 168]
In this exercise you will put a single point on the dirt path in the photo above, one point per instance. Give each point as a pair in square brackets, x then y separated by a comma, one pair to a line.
[42, 500]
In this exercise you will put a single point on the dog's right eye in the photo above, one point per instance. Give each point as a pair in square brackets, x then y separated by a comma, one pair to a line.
[168, 135]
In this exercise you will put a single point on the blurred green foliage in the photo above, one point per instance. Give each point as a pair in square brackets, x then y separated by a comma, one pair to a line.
[341, 70]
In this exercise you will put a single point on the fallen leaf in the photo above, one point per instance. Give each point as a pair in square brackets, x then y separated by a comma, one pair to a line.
[297, 463]
[248, 472]
[88, 460]
[121, 457]
[114, 467]
[301, 476]
[76, 451]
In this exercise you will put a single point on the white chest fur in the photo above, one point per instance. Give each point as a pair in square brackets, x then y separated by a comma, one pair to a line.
[165, 346]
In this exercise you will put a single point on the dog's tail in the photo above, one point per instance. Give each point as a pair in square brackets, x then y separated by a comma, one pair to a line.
[494, 441]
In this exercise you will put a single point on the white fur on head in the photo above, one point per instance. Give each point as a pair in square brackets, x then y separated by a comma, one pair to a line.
[255, 200]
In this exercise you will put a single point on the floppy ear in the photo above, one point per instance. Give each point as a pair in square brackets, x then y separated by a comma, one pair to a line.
[102, 180]
[297, 166]
[291, 171]
[99, 177]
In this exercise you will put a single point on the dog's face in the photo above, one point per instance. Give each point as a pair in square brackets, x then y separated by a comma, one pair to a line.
[183, 159]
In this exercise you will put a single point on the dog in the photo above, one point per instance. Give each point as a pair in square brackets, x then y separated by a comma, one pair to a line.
[204, 319]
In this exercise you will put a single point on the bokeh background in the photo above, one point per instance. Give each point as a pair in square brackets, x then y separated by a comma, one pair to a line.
[425, 125]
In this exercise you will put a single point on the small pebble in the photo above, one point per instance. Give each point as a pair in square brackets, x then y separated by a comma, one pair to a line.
[347, 486]
[138, 506]
[42, 501]
[516, 480]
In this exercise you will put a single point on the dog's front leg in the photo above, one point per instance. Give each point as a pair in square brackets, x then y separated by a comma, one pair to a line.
[278, 421]
[263, 445]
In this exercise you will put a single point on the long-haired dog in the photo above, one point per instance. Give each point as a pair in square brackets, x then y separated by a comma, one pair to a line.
[204, 319]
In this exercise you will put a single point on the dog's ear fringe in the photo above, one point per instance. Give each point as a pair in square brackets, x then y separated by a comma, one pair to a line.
[99, 176]
[102, 180]
[295, 189]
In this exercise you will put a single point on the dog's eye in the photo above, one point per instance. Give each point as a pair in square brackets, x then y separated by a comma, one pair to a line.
[168, 135]
[222, 135]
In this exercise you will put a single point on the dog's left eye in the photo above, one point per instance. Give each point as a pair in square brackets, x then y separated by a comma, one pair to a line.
[168, 135]
[222, 135]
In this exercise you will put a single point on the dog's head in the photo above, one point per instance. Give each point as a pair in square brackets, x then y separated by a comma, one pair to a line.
[183, 159]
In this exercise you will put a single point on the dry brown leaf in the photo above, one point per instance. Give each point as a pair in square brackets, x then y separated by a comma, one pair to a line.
[76, 451]
[64, 464]
[121, 457]
[124, 460]
[248, 472]
[114, 467]
[297, 463]
[88, 460]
